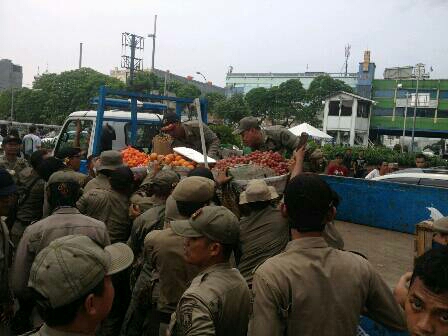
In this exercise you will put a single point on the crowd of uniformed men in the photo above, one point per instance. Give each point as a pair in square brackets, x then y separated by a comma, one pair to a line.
[100, 255]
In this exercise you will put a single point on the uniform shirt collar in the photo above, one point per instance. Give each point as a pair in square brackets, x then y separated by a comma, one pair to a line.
[215, 267]
[307, 243]
[66, 210]
[48, 331]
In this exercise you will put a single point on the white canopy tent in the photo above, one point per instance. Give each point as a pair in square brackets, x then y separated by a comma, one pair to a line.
[312, 131]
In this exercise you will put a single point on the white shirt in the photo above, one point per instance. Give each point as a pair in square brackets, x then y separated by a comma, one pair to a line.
[374, 173]
[36, 141]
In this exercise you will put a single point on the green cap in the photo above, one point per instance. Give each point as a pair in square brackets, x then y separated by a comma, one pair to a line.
[194, 189]
[246, 124]
[64, 176]
[441, 225]
[214, 222]
[110, 160]
[166, 178]
[71, 266]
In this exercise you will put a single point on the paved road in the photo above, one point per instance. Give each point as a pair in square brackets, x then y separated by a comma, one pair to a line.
[391, 252]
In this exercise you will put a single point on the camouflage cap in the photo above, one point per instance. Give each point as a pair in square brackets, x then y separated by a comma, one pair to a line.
[257, 191]
[214, 222]
[110, 160]
[71, 266]
[441, 225]
[194, 189]
[166, 178]
[64, 176]
[246, 124]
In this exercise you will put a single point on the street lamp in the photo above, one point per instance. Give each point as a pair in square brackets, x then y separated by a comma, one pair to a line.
[200, 73]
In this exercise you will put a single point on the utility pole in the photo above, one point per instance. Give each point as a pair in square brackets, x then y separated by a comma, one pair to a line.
[154, 42]
[80, 55]
[12, 104]
[404, 122]
[419, 73]
[131, 63]
[347, 55]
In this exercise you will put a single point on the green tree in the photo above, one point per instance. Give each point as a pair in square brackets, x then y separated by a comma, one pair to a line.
[259, 102]
[145, 82]
[290, 100]
[213, 98]
[233, 109]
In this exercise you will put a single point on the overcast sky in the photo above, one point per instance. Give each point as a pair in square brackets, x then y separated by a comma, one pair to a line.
[210, 35]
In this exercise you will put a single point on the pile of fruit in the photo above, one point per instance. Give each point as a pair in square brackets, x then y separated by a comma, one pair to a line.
[134, 158]
[269, 159]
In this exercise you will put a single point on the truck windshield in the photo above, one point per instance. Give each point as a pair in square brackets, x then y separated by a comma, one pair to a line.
[76, 133]
[145, 133]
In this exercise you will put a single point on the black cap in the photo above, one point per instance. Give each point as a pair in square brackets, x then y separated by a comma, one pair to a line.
[202, 171]
[68, 152]
[170, 117]
[7, 185]
[11, 138]
[308, 199]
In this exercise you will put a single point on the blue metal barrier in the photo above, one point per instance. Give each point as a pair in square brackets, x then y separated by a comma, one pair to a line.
[386, 205]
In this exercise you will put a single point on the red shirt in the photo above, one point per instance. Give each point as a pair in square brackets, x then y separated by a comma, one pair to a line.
[337, 170]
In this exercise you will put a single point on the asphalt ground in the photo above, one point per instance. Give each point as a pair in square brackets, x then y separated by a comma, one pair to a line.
[391, 253]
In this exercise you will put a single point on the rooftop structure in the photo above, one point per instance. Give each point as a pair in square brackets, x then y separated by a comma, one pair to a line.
[10, 75]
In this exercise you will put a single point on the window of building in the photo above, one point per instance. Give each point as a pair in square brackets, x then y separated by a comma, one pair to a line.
[424, 112]
[363, 110]
[346, 109]
[442, 114]
[384, 112]
[333, 108]
[384, 93]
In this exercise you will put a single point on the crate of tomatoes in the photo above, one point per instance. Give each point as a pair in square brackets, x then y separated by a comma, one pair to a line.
[269, 166]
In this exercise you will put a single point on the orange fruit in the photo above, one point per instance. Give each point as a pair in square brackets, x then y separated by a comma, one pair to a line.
[160, 157]
[153, 156]
[178, 157]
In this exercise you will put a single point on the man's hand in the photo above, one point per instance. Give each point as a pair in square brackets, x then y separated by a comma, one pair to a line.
[401, 289]
[222, 177]
[297, 162]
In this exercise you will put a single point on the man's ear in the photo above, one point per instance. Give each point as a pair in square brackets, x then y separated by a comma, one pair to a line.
[89, 305]
[284, 210]
[215, 248]
[331, 215]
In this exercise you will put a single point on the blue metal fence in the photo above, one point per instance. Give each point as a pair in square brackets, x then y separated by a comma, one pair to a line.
[386, 205]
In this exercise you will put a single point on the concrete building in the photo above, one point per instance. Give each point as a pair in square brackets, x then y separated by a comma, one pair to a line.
[244, 82]
[347, 118]
[10, 75]
[396, 101]
[207, 87]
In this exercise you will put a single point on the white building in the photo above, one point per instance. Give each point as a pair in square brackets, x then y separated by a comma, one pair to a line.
[347, 118]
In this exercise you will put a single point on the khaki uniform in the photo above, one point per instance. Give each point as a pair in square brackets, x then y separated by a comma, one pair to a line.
[31, 201]
[64, 221]
[193, 139]
[312, 289]
[14, 167]
[163, 279]
[263, 234]
[5, 292]
[99, 182]
[278, 139]
[109, 207]
[48, 331]
[216, 303]
[150, 220]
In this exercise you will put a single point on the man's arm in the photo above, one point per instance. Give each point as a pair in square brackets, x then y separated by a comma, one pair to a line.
[289, 140]
[381, 304]
[265, 319]
[212, 142]
[193, 318]
[21, 268]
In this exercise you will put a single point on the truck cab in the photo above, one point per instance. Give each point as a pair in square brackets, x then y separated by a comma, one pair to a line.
[79, 130]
